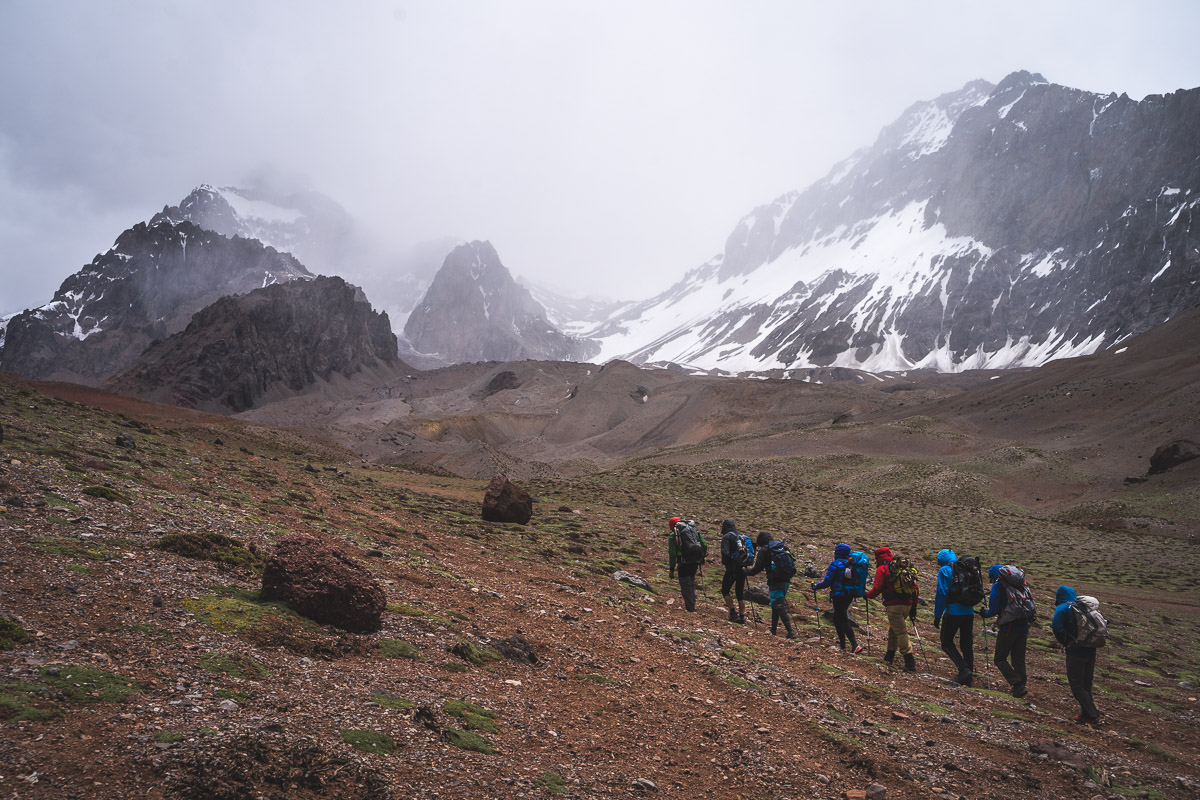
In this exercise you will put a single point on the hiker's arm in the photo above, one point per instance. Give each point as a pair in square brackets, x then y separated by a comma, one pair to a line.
[828, 580]
[877, 586]
[760, 562]
[995, 601]
[1059, 624]
[939, 599]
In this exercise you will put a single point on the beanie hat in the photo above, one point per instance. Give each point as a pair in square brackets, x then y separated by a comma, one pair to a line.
[841, 551]
[671, 522]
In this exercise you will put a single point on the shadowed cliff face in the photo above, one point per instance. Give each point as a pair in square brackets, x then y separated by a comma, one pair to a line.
[475, 311]
[146, 287]
[275, 340]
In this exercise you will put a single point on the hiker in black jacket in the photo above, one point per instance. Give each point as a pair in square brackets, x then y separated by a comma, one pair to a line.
[732, 552]
[773, 557]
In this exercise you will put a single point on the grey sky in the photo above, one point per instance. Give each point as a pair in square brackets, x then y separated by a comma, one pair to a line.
[602, 147]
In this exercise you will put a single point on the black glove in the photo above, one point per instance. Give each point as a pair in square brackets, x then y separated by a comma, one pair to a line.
[937, 622]
[981, 612]
[912, 616]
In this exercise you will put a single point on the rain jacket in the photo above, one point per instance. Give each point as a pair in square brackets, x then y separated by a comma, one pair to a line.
[729, 541]
[945, 580]
[835, 574]
[883, 557]
[1064, 626]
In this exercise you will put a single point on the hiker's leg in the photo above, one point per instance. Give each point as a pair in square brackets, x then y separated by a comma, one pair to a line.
[1079, 671]
[948, 630]
[739, 587]
[897, 626]
[1020, 642]
[966, 641]
[841, 622]
[1089, 673]
[774, 619]
[1005, 646]
[687, 584]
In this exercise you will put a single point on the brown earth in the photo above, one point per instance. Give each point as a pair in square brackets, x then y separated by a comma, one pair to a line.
[231, 697]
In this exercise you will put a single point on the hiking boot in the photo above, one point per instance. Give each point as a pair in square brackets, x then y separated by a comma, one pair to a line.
[963, 679]
[858, 648]
[790, 635]
[910, 662]
[741, 620]
[889, 656]
[733, 615]
[1020, 691]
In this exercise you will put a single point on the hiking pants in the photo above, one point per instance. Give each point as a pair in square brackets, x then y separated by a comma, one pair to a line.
[963, 626]
[734, 579]
[841, 621]
[1010, 652]
[779, 607]
[687, 584]
[898, 629]
[1080, 670]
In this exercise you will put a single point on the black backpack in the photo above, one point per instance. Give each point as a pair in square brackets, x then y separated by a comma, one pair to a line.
[966, 582]
[692, 548]
[783, 564]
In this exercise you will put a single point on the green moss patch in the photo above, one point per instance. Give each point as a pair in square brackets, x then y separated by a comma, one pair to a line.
[474, 717]
[213, 547]
[405, 610]
[397, 648]
[169, 737]
[235, 666]
[453, 666]
[17, 703]
[474, 653]
[551, 781]
[593, 678]
[241, 613]
[106, 493]
[12, 634]
[468, 740]
[83, 684]
[379, 744]
[391, 701]
[71, 548]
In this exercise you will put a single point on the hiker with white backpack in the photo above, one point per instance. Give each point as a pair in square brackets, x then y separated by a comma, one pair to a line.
[1011, 603]
[1080, 628]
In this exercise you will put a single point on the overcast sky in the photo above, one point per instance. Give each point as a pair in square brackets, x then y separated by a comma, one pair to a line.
[603, 147]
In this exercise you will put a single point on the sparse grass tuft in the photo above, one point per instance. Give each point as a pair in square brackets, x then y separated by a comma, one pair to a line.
[397, 648]
[83, 684]
[467, 740]
[379, 744]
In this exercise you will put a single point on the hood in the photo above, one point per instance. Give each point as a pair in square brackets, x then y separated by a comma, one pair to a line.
[883, 554]
[946, 557]
[994, 572]
[763, 540]
[1065, 594]
[727, 526]
[841, 551]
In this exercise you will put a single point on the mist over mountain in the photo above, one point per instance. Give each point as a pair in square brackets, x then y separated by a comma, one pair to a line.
[475, 311]
[995, 226]
[145, 287]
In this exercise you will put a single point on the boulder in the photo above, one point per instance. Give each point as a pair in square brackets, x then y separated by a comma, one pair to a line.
[126, 441]
[324, 584]
[1173, 454]
[634, 580]
[758, 594]
[504, 501]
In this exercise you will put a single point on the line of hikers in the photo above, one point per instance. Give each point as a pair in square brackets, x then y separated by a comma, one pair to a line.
[1077, 624]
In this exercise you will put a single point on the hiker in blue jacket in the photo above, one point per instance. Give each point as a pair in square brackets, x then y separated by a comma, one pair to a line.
[959, 621]
[777, 584]
[1012, 630]
[1081, 661]
[836, 580]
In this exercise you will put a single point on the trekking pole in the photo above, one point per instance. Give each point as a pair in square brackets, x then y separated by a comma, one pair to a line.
[986, 657]
[817, 611]
[921, 642]
[867, 603]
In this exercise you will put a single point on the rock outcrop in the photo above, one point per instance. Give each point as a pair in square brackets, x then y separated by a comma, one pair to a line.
[504, 501]
[272, 341]
[1173, 454]
[324, 584]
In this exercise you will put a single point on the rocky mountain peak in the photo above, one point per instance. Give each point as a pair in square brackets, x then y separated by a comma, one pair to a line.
[475, 311]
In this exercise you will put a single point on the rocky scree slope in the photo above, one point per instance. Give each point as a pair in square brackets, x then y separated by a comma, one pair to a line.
[991, 227]
[269, 342]
[190, 686]
[475, 311]
[146, 287]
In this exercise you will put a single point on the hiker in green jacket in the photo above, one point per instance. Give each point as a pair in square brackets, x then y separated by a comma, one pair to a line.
[686, 550]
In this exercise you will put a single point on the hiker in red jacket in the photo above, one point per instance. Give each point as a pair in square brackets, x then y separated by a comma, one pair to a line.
[899, 601]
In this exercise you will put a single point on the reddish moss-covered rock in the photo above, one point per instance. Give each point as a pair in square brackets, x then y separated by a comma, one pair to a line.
[504, 501]
[324, 584]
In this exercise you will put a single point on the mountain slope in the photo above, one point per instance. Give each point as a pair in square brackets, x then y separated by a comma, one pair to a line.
[475, 311]
[274, 340]
[991, 227]
[146, 287]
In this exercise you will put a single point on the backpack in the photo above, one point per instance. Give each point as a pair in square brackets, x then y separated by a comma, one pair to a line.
[743, 550]
[689, 543]
[859, 566]
[1018, 603]
[966, 582]
[783, 565]
[901, 577]
[1091, 628]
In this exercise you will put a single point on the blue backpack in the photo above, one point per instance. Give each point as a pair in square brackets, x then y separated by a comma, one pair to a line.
[745, 551]
[859, 566]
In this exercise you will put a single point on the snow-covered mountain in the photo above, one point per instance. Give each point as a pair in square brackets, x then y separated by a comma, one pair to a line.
[995, 226]
[146, 287]
[475, 311]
